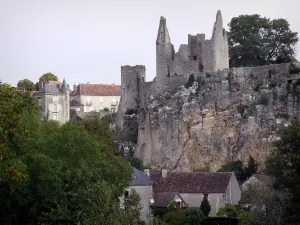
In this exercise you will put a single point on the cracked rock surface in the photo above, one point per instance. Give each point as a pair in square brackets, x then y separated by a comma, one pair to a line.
[217, 117]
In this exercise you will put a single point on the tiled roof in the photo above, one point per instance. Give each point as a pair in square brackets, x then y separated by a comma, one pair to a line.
[165, 189]
[98, 89]
[191, 182]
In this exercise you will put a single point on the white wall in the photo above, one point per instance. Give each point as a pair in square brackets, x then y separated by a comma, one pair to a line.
[99, 102]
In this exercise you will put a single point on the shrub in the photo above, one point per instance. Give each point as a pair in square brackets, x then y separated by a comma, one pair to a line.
[205, 206]
[131, 111]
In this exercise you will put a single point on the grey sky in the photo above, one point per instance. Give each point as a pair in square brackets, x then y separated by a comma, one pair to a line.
[88, 40]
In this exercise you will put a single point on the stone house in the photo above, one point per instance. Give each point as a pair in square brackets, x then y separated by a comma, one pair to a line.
[188, 189]
[258, 180]
[87, 98]
[141, 182]
[54, 98]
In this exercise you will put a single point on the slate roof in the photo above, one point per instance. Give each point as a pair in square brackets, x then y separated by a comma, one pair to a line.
[50, 88]
[265, 179]
[139, 178]
[164, 189]
[98, 90]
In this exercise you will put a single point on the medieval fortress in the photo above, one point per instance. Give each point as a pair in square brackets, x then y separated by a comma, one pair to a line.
[198, 114]
[199, 55]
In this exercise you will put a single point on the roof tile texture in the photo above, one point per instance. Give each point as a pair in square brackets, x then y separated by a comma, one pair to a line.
[98, 89]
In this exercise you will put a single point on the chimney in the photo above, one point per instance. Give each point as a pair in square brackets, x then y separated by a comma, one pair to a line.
[164, 173]
[58, 85]
[74, 87]
[147, 172]
[41, 85]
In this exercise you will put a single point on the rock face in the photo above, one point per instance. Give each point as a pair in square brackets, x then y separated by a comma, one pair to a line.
[217, 117]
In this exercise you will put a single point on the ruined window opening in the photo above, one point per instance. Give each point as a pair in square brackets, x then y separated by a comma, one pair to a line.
[175, 74]
[126, 194]
[143, 79]
[194, 58]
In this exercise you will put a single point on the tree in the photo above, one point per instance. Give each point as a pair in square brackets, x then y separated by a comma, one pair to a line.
[132, 209]
[268, 206]
[193, 216]
[6, 85]
[100, 129]
[205, 206]
[232, 211]
[72, 178]
[252, 167]
[26, 85]
[284, 163]
[255, 41]
[45, 78]
[236, 167]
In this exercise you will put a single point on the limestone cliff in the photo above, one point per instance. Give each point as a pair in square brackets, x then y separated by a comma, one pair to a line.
[217, 117]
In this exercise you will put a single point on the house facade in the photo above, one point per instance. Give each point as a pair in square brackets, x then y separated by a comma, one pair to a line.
[87, 98]
[259, 181]
[141, 183]
[55, 101]
[187, 189]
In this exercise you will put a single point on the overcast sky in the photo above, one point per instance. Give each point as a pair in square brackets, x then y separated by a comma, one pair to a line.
[88, 40]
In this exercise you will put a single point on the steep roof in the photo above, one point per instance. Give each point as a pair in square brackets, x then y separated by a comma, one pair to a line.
[139, 178]
[191, 182]
[265, 179]
[98, 90]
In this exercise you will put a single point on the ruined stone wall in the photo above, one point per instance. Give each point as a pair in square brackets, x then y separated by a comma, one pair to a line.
[218, 117]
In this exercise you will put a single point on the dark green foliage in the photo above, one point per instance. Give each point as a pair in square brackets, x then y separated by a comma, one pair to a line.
[132, 209]
[205, 206]
[26, 85]
[131, 111]
[176, 217]
[194, 216]
[255, 41]
[220, 221]
[136, 162]
[130, 130]
[45, 78]
[99, 128]
[284, 163]
[252, 167]
[236, 167]
[190, 81]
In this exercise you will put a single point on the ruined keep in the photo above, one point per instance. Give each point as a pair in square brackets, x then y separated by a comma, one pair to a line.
[197, 114]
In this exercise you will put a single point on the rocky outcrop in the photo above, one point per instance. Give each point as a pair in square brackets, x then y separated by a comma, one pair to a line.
[217, 117]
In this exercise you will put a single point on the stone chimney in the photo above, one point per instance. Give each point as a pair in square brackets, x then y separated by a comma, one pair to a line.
[164, 173]
[147, 172]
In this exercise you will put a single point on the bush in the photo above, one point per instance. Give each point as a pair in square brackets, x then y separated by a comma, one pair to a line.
[176, 217]
[205, 206]
[136, 162]
[194, 216]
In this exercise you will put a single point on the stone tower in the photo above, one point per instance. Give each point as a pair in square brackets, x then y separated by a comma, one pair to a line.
[164, 52]
[66, 95]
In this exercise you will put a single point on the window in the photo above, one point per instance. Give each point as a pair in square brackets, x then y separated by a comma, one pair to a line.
[78, 109]
[194, 58]
[126, 194]
[178, 204]
[55, 98]
[55, 116]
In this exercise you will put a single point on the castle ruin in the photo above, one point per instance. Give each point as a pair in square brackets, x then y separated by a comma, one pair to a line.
[199, 55]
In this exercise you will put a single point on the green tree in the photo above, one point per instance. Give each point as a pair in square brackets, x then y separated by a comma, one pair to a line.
[6, 85]
[72, 178]
[205, 206]
[132, 209]
[45, 78]
[136, 162]
[194, 216]
[100, 129]
[255, 40]
[236, 167]
[252, 167]
[26, 84]
[284, 163]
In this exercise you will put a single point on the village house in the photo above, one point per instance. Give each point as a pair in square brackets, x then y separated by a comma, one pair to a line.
[258, 180]
[188, 189]
[86, 98]
[141, 183]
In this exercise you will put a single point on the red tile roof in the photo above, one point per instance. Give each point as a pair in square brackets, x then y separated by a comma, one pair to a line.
[165, 189]
[98, 89]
